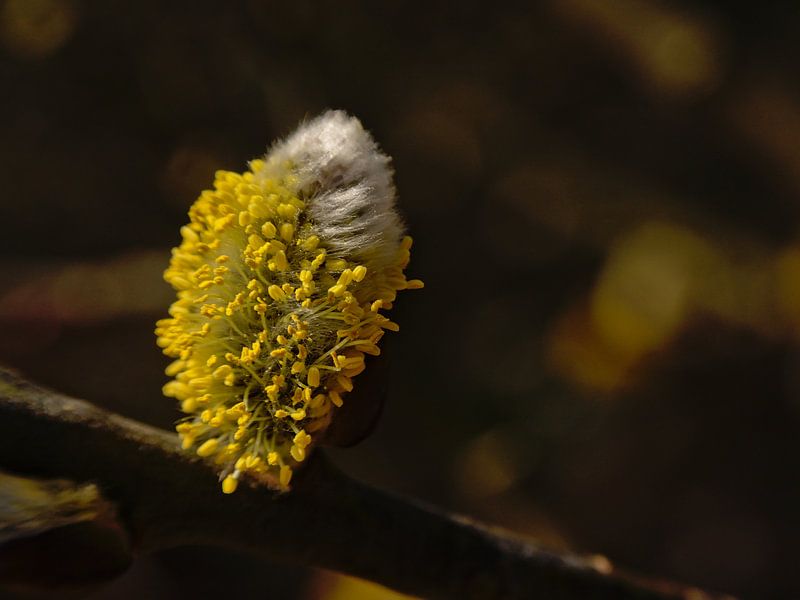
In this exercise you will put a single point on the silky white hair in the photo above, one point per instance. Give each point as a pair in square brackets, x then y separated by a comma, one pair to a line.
[347, 184]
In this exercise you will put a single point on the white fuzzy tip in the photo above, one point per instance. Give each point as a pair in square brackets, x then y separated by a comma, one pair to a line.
[347, 184]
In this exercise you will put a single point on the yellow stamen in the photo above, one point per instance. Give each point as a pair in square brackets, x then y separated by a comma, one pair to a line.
[229, 484]
[285, 475]
[313, 377]
[208, 447]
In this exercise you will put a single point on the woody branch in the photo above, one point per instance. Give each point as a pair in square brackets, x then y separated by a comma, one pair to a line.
[165, 498]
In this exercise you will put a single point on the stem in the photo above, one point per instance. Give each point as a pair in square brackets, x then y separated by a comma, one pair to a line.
[167, 498]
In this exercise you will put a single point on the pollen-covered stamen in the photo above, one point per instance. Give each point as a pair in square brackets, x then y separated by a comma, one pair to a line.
[279, 300]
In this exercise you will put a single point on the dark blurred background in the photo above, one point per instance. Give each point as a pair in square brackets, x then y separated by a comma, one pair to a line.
[605, 198]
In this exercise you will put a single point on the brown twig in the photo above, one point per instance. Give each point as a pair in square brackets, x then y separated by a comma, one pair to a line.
[167, 498]
[57, 537]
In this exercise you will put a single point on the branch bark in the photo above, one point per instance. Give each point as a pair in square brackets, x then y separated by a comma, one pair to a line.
[166, 497]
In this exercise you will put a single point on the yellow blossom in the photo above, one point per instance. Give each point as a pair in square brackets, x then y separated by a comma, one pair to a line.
[281, 277]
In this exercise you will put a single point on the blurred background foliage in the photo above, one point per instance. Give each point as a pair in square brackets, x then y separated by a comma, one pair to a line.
[605, 198]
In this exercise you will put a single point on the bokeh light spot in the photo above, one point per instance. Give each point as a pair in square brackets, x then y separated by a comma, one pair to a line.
[33, 29]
